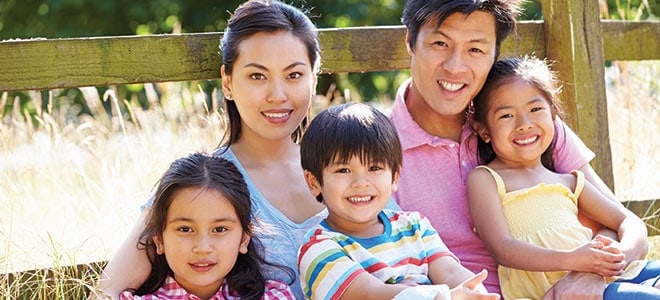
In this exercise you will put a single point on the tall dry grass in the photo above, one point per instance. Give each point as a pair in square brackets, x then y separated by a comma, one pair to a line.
[71, 187]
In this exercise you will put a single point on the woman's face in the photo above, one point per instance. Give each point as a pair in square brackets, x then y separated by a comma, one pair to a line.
[272, 85]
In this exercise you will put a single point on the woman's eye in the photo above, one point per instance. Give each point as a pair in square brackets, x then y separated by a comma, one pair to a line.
[220, 229]
[257, 76]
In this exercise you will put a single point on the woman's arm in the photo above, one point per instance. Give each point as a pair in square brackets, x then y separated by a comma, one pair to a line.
[129, 267]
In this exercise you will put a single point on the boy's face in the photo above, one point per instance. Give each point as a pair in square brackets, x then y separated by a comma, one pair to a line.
[354, 192]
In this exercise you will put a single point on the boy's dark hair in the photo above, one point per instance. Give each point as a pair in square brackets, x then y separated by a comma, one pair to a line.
[418, 12]
[257, 16]
[213, 173]
[343, 131]
[534, 71]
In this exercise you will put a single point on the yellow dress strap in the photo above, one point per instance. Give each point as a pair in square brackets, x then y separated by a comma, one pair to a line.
[579, 185]
[498, 180]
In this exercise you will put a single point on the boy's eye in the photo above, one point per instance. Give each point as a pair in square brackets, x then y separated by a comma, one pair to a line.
[343, 170]
[375, 168]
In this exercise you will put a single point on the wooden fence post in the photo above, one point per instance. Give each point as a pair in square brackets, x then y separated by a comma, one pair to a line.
[574, 42]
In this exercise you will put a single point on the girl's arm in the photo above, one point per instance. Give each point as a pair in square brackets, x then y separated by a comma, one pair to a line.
[630, 230]
[129, 267]
[488, 218]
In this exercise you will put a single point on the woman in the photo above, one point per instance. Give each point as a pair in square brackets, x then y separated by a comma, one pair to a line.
[271, 55]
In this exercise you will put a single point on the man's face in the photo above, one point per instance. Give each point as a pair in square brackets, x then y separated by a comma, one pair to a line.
[450, 63]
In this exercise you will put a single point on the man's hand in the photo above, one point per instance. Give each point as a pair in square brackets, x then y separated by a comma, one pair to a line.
[578, 286]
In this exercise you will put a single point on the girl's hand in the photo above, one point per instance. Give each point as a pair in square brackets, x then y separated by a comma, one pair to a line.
[609, 245]
[597, 257]
[473, 289]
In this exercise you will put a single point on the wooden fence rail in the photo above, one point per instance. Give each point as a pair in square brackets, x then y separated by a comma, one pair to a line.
[41, 64]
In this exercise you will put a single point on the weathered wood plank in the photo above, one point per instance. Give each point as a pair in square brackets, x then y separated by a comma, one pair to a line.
[59, 63]
[573, 29]
[624, 40]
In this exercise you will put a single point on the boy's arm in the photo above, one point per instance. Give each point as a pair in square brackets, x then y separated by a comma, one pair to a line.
[128, 268]
[327, 272]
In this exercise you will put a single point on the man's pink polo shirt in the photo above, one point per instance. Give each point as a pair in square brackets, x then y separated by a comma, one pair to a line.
[433, 181]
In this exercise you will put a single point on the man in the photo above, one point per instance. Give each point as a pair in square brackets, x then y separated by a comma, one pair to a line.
[453, 44]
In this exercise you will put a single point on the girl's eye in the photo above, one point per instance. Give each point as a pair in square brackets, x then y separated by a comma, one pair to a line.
[184, 229]
[257, 76]
[220, 229]
[536, 109]
[505, 116]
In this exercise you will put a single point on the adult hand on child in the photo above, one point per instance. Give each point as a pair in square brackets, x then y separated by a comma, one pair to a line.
[577, 286]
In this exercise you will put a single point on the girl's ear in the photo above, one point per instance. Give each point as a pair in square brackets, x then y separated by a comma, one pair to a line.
[482, 131]
[313, 184]
[158, 242]
[226, 83]
[245, 241]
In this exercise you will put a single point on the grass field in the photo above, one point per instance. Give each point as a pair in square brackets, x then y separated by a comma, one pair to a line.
[71, 188]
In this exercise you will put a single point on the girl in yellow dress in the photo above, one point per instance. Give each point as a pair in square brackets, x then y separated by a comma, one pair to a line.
[527, 214]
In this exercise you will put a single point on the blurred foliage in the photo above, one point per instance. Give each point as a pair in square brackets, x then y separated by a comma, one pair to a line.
[22, 19]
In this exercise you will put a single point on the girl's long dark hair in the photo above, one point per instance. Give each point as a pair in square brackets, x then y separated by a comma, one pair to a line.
[536, 72]
[215, 173]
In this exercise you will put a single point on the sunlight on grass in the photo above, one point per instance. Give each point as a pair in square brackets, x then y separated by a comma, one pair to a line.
[72, 187]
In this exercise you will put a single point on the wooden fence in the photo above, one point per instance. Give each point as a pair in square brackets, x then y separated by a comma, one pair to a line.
[571, 34]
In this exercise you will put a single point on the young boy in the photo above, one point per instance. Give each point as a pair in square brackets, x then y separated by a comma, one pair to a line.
[351, 155]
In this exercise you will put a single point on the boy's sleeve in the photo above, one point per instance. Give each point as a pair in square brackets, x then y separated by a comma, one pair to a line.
[570, 151]
[435, 247]
[326, 270]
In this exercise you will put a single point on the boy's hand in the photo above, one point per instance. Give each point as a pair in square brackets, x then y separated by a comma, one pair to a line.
[473, 289]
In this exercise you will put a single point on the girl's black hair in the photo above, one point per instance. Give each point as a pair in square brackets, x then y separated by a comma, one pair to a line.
[213, 173]
[531, 69]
